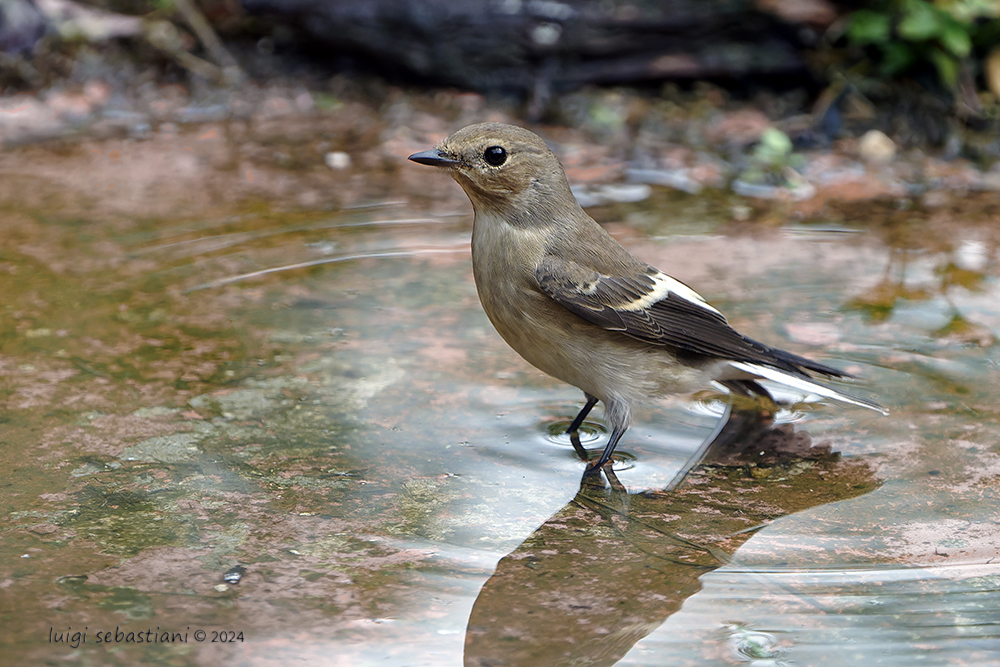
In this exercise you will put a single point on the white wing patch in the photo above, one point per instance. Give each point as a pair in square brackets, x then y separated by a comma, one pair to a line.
[803, 384]
[663, 286]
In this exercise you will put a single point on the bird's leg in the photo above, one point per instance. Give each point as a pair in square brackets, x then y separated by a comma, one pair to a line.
[609, 449]
[591, 402]
[574, 438]
[617, 486]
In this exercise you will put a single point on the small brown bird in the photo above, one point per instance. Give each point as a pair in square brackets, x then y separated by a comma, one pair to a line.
[576, 305]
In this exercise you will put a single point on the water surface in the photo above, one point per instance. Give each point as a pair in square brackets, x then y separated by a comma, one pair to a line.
[318, 398]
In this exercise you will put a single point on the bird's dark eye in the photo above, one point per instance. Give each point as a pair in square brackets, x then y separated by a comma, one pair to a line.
[495, 155]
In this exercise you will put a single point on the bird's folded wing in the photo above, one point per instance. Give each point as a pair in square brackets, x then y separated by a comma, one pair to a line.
[655, 308]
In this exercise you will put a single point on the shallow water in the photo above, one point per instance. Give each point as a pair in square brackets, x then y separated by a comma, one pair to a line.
[392, 477]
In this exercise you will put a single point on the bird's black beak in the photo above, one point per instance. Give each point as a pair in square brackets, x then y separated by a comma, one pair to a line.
[434, 157]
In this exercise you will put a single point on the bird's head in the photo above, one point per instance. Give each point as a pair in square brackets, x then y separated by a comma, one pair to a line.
[502, 168]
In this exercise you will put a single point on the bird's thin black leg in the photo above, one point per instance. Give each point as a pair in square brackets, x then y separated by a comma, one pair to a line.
[609, 449]
[591, 402]
[581, 451]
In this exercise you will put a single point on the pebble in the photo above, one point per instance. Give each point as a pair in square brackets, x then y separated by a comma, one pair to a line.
[337, 160]
[234, 574]
[875, 146]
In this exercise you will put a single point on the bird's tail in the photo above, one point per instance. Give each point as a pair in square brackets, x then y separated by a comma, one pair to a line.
[803, 383]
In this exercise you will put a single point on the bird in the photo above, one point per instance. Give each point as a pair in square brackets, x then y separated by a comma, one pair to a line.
[567, 297]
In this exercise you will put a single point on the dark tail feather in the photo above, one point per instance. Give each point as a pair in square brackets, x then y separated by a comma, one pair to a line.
[793, 363]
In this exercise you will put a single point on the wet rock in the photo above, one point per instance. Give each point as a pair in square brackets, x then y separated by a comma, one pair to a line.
[680, 168]
[794, 188]
[598, 195]
[172, 448]
[44, 529]
[678, 179]
[830, 169]
[237, 404]
[92, 468]
[838, 177]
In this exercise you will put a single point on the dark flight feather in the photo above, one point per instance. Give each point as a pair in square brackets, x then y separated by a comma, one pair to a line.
[673, 321]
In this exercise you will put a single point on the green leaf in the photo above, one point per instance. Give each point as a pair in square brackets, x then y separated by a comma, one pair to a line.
[947, 67]
[968, 11]
[955, 38]
[920, 21]
[868, 27]
[897, 57]
[774, 144]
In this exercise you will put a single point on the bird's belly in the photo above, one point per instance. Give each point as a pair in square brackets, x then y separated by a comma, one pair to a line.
[604, 364]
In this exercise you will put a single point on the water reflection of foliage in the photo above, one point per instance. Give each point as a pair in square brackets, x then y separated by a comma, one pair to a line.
[914, 235]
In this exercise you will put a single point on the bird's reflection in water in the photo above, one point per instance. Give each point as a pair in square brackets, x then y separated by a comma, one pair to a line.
[610, 567]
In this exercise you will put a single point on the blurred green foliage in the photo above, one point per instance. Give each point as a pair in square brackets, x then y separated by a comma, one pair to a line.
[774, 162]
[943, 33]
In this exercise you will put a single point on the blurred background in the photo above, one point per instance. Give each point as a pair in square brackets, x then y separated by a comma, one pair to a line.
[681, 94]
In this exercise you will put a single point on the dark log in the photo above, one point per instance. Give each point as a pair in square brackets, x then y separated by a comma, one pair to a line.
[513, 44]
